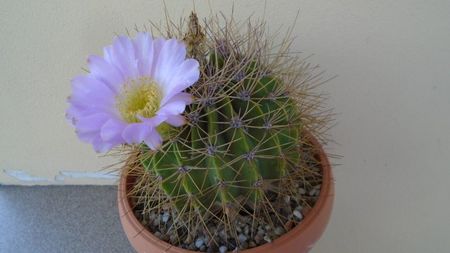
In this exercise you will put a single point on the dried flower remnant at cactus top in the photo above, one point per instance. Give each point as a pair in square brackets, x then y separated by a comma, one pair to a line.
[133, 94]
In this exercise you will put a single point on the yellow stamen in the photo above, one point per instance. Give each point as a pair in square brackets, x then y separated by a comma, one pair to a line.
[141, 97]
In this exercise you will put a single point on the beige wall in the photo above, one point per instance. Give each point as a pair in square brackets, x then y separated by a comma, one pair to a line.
[392, 96]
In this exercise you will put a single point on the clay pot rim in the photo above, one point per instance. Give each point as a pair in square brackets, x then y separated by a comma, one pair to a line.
[290, 235]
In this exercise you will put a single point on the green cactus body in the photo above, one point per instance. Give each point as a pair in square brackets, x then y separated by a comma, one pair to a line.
[241, 137]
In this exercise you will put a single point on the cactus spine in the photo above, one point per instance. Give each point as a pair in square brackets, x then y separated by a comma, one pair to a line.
[241, 138]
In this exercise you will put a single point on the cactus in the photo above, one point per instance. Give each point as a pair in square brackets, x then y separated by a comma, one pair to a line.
[243, 145]
[240, 135]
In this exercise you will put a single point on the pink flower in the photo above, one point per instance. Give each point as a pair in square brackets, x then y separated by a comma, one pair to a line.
[136, 86]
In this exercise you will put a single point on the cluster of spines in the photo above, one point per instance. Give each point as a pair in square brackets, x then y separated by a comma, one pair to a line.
[241, 138]
[244, 147]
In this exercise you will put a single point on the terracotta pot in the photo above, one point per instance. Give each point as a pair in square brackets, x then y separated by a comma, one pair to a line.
[298, 240]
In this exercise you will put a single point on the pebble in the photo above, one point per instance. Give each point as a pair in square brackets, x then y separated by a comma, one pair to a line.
[223, 249]
[199, 242]
[287, 199]
[244, 245]
[222, 234]
[313, 192]
[191, 246]
[246, 219]
[298, 214]
[258, 239]
[188, 239]
[267, 238]
[212, 228]
[242, 238]
[156, 221]
[279, 230]
[246, 230]
[289, 225]
[260, 232]
[173, 239]
[301, 191]
[165, 237]
[165, 217]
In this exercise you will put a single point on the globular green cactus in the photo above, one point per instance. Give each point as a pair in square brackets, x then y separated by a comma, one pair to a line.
[241, 137]
[244, 151]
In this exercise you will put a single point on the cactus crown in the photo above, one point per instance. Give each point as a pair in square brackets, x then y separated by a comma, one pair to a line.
[244, 144]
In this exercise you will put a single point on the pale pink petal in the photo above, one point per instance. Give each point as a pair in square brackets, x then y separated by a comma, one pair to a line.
[87, 136]
[153, 140]
[105, 72]
[143, 45]
[91, 123]
[91, 92]
[108, 55]
[157, 46]
[171, 55]
[74, 113]
[124, 58]
[176, 120]
[154, 121]
[135, 133]
[112, 129]
[173, 108]
[101, 146]
[182, 96]
[186, 75]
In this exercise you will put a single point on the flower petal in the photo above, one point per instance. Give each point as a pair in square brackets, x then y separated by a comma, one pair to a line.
[171, 55]
[153, 140]
[173, 108]
[154, 121]
[101, 146]
[105, 72]
[182, 96]
[122, 55]
[143, 45]
[91, 123]
[176, 120]
[93, 107]
[112, 129]
[135, 133]
[186, 75]
[88, 92]
[87, 136]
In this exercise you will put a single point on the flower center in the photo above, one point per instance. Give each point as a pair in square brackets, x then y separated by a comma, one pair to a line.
[141, 97]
